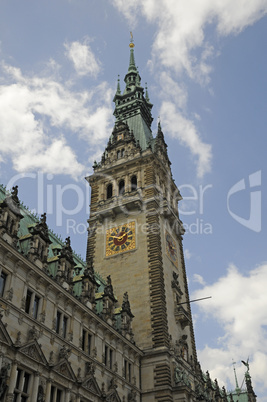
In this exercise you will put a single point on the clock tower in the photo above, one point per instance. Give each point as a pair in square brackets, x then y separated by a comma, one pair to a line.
[135, 237]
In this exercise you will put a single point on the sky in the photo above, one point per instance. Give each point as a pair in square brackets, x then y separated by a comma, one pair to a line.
[205, 68]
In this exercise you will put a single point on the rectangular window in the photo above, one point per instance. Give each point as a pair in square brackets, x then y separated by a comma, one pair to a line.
[89, 345]
[32, 303]
[26, 382]
[86, 341]
[56, 394]
[36, 303]
[59, 395]
[108, 357]
[52, 393]
[28, 301]
[83, 339]
[18, 378]
[61, 324]
[21, 391]
[58, 319]
[64, 326]
[127, 370]
[2, 283]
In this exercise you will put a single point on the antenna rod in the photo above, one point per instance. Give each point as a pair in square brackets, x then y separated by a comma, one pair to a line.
[192, 301]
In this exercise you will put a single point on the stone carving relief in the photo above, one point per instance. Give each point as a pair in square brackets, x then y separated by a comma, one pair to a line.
[181, 377]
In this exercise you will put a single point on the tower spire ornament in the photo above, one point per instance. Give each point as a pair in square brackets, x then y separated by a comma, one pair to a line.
[118, 86]
[236, 382]
[133, 105]
[131, 45]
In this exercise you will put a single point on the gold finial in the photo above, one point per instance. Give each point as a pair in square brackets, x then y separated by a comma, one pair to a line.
[131, 44]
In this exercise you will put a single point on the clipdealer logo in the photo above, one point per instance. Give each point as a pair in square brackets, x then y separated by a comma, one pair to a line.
[253, 222]
[53, 198]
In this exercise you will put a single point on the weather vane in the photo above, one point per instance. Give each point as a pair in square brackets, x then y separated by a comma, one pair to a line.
[131, 44]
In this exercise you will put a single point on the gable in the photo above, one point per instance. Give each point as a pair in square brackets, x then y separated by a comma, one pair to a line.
[64, 368]
[4, 335]
[33, 350]
[113, 396]
[91, 385]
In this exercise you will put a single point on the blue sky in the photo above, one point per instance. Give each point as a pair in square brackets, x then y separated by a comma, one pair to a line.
[204, 64]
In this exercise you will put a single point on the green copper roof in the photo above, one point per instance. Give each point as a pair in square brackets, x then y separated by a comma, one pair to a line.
[242, 396]
[133, 106]
[132, 66]
[29, 221]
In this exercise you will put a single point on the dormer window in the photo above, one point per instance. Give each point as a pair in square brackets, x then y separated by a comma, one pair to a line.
[133, 183]
[121, 187]
[109, 191]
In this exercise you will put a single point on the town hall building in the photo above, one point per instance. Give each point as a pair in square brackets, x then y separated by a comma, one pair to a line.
[117, 327]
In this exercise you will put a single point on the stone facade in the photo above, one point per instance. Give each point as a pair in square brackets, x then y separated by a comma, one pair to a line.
[56, 345]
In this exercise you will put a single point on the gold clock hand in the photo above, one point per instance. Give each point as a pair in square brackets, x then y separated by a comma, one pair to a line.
[119, 237]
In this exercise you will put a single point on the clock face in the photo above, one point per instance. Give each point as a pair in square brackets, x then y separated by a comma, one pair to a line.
[171, 249]
[120, 238]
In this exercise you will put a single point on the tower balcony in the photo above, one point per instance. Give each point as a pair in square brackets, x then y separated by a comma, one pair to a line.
[182, 316]
[125, 204]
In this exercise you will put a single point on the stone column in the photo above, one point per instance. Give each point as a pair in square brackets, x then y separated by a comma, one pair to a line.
[126, 184]
[70, 324]
[42, 315]
[12, 381]
[67, 395]
[102, 191]
[35, 386]
[48, 390]
[139, 180]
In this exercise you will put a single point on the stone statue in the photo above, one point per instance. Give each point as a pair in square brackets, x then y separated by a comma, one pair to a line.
[180, 377]
[14, 194]
[40, 396]
[3, 380]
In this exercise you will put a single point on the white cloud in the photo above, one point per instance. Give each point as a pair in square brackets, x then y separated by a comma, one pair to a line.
[239, 306]
[129, 9]
[198, 279]
[170, 89]
[182, 44]
[84, 60]
[187, 254]
[184, 130]
[34, 113]
[181, 28]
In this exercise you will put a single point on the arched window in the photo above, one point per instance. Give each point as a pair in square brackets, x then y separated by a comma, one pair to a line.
[109, 191]
[121, 187]
[122, 153]
[133, 183]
